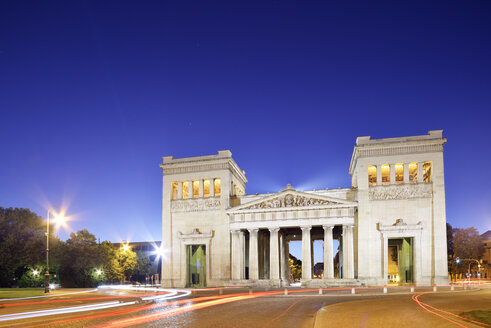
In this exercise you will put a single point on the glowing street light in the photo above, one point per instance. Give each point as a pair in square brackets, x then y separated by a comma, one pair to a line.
[98, 272]
[59, 218]
[35, 272]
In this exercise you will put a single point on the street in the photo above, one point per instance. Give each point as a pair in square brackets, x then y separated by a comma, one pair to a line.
[240, 307]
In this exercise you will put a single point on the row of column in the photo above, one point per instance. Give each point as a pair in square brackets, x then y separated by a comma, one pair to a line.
[392, 173]
[279, 254]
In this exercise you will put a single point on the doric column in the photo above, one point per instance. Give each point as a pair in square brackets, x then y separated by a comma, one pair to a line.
[306, 256]
[241, 254]
[379, 175]
[179, 190]
[406, 173]
[392, 174]
[348, 258]
[212, 187]
[328, 253]
[200, 192]
[190, 189]
[420, 172]
[283, 260]
[235, 255]
[274, 259]
[253, 255]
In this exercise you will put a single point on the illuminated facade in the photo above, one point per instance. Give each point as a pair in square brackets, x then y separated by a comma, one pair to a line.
[390, 224]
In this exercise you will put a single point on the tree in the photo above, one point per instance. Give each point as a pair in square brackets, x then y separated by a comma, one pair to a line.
[467, 244]
[142, 268]
[295, 268]
[80, 259]
[22, 243]
[122, 264]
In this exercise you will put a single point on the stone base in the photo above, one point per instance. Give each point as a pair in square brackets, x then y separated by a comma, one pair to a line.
[324, 283]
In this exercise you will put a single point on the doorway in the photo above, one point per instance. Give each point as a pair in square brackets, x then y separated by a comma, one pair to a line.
[196, 266]
[400, 261]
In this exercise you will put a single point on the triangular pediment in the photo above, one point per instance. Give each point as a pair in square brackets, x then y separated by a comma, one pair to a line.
[290, 198]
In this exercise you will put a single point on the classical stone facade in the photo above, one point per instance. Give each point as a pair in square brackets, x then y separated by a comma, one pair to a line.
[393, 216]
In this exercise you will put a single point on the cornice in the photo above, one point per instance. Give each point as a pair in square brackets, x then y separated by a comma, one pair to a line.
[396, 148]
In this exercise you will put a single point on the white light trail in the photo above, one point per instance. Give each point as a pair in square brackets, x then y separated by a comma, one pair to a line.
[170, 294]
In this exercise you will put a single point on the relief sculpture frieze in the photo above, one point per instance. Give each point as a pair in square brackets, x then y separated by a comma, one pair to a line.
[405, 191]
[195, 205]
[290, 200]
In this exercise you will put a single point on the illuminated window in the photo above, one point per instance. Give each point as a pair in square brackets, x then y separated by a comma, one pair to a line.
[217, 187]
[399, 173]
[195, 188]
[385, 174]
[185, 190]
[206, 188]
[427, 172]
[413, 172]
[372, 175]
[174, 190]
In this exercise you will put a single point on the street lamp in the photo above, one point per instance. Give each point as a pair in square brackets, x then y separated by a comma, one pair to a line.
[458, 260]
[59, 218]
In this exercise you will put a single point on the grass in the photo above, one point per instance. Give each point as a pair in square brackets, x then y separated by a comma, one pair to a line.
[20, 292]
[30, 292]
[483, 316]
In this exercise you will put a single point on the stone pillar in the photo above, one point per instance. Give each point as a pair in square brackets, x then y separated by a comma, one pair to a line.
[287, 263]
[420, 172]
[179, 190]
[392, 174]
[328, 253]
[190, 189]
[385, 260]
[212, 187]
[406, 173]
[306, 256]
[379, 175]
[200, 192]
[235, 255]
[274, 259]
[253, 255]
[348, 258]
[283, 260]
[242, 254]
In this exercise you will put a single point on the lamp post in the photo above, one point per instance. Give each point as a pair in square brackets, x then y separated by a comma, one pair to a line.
[46, 275]
[458, 260]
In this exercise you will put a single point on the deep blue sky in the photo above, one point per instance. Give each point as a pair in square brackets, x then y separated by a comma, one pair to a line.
[93, 93]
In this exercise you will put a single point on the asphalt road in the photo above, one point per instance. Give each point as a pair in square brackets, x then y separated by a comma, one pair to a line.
[238, 308]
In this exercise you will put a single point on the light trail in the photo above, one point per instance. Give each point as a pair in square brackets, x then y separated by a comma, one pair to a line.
[164, 314]
[169, 294]
[423, 305]
[126, 311]
[282, 313]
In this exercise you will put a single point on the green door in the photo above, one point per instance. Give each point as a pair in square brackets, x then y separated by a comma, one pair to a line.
[405, 260]
[196, 266]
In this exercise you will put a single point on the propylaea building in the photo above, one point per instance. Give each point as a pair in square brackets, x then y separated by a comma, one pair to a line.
[390, 225]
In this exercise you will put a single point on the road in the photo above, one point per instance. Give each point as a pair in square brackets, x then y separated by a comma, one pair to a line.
[238, 307]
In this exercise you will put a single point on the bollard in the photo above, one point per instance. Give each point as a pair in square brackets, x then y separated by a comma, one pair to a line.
[250, 290]
[320, 291]
[412, 289]
[352, 290]
[452, 287]
[220, 291]
[434, 288]
[286, 291]
[385, 290]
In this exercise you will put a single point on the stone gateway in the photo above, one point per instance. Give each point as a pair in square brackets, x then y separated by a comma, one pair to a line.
[390, 225]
